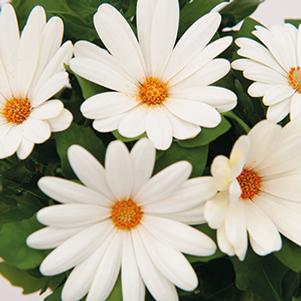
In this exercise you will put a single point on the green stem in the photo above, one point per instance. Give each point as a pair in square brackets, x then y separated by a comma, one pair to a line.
[234, 117]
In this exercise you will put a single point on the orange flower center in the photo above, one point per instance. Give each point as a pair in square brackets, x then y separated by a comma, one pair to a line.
[249, 182]
[294, 78]
[16, 110]
[126, 215]
[153, 91]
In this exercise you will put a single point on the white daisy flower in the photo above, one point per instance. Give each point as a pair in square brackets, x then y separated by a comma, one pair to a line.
[123, 218]
[259, 191]
[158, 88]
[31, 72]
[275, 68]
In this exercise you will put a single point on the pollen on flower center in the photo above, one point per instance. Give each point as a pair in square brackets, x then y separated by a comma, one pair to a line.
[126, 215]
[153, 91]
[16, 110]
[294, 78]
[249, 182]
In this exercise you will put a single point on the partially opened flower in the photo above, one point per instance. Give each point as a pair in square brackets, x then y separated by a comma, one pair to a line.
[259, 191]
[275, 68]
[158, 88]
[123, 218]
[31, 72]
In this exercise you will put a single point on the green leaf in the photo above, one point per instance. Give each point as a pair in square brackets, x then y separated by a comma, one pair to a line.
[118, 136]
[79, 135]
[13, 248]
[197, 156]
[238, 10]
[193, 10]
[22, 279]
[88, 88]
[207, 135]
[247, 27]
[116, 294]
[262, 275]
[290, 255]
[56, 295]
[295, 22]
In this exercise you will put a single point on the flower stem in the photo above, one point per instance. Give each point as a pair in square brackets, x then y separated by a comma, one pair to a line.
[233, 116]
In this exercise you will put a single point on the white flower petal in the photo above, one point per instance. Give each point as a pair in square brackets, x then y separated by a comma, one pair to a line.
[107, 104]
[143, 155]
[261, 229]
[76, 249]
[119, 170]
[65, 191]
[215, 210]
[108, 124]
[235, 227]
[299, 46]
[194, 191]
[221, 172]
[158, 128]
[192, 43]
[10, 141]
[132, 284]
[164, 183]
[275, 94]
[119, 39]
[170, 262]
[35, 130]
[163, 34]
[223, 242]
[179, 236]
[80, 279]
[5, 90]
[133, 123]
[48, 110]
[156, 283]
[110, 265]
[194, 112]
[279, 111]
[258, 89]
[295, 109]
[61, 122]
[89, 171]
[49, 238]
[72, 215]
[25, 149]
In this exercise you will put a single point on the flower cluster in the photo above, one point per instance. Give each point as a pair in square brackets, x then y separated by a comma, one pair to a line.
[118, 214]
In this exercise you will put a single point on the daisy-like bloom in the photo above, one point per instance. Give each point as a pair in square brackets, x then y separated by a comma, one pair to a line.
[259, 192]
[275, 67]
[158, 88]
[31, 72]
[123, 218]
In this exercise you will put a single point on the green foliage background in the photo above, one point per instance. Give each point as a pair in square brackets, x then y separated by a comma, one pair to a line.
[276, 277]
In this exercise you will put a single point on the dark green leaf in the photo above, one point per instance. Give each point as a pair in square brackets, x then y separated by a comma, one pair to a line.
[13, 248]
[79, 135]
[295, 22]
[88, 88]
[207, 135]
[56, 295]
[262, 275]
[196, 156]
[116, 294]
[290, 255]
[118, 136]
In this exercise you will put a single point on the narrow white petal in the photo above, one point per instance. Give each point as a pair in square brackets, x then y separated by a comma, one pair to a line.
[295, 109]
[10, 141]
[61, 122]
[35, 130]
[179, 236]
[299, 46]
[65, 191]
[194, 112]
[72, 215]
[119, 170]
[223, 242]
[143, 156]
[119, 39]
[221, 172]
[107, 104]
[258, 89]
[49, 238]
[275, 94]
[279, 111]
[157, 284]
[89, 171]
[25, 149]
[108, 124]
[48, 110]
[132, 284]
[109, 266]
[158, 128]
[75, 250]
[164, 183]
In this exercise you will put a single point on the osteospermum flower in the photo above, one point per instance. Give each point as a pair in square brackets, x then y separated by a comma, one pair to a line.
[259, 191]
[123, 218]
[275, 68]
[158, 89]
[31, 72]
